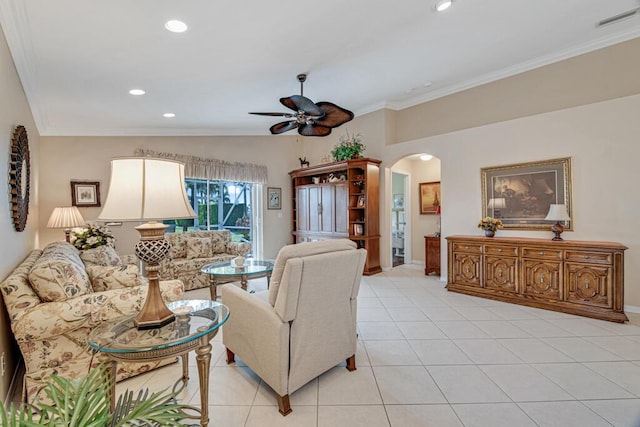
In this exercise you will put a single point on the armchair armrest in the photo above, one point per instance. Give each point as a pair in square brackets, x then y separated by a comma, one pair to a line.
[51, 319]
[257, 335]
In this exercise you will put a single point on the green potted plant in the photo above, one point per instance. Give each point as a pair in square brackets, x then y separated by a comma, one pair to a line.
[348, 147]
[85, 402]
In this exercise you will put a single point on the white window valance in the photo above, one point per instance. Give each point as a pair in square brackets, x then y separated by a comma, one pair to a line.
[213, 169]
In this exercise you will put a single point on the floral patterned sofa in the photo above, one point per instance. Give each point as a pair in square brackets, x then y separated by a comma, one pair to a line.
[192, 250]
[57, 295]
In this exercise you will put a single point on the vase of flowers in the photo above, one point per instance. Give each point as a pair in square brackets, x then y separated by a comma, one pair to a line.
[490, 225]
[349, 147]
[91, 236]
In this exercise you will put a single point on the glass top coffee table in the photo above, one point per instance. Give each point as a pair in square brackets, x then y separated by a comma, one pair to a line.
[226, 271]
[197, 322]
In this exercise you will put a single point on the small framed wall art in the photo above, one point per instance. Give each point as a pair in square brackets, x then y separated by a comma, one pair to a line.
[274, 198]
[429, 197]
[85, 194]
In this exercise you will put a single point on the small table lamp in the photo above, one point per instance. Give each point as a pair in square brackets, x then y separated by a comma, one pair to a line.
[495, 205]
[65, 217]
[557, 213]
[148, 189]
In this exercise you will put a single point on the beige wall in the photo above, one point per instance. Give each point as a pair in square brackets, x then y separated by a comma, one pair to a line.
[15, 246]
[601, 139]
[88, 158]
[595, 76]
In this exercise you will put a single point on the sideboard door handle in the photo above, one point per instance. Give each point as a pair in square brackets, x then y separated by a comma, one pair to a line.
[542, 278]
[499, 250]
[500, 273]
[587, 257]
[540, 253]
[586, 284]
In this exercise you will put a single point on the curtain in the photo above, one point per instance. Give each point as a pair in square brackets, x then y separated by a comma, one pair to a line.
[213, 169]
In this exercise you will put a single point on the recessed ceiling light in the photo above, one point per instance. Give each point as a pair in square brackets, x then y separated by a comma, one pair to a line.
[168, 115]
[426, 157]
[443, 5]
[137, 92]
[176, 26]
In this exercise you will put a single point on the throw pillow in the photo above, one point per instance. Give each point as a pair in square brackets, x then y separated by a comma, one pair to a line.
[104, 278]
[178, 245]
[104, 255]
[219, 241]
[56, 276]
[199, 247]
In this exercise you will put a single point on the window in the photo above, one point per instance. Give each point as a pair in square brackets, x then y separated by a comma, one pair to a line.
[220, 205]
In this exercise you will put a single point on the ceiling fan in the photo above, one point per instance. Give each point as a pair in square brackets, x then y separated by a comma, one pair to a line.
[311, 119]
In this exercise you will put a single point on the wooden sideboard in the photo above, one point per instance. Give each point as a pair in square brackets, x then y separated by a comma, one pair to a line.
[576, 277]
[431, 255]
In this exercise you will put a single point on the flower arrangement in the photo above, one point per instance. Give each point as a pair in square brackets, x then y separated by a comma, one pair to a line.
[490, 224]
[349, 147]
[91, 236]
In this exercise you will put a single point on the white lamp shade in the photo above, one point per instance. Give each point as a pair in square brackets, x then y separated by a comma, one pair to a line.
[146, 189]
[497, 203]
[558, 213]
[65, 217]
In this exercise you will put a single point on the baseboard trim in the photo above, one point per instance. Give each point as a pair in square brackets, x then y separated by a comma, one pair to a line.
[632, 308]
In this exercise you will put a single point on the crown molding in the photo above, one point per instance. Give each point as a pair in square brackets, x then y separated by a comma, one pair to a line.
[13, 15]
[155, 132]
[522, 67]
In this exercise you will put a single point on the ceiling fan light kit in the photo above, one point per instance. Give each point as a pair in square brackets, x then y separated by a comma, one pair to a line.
[310, 119]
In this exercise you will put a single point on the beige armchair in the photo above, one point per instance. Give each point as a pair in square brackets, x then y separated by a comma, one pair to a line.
[305, 324]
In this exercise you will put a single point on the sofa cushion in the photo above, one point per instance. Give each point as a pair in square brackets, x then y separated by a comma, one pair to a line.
[182, 267]
[199, 247]
[104, 255]
[178, 245]
[114, 277]
[59, 273]
[219, 241]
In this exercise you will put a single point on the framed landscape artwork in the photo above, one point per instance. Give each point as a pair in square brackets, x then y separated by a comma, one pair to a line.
[85, 194]
[520, 194]
[429, 197]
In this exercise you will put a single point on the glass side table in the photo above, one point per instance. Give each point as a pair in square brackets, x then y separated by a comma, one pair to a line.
[197, 322]
[226, 271]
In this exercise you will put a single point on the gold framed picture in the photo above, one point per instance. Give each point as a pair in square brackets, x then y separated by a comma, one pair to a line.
[429, 197]
[520, 194]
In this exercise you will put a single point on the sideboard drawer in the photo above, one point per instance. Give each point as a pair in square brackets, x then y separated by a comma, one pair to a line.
[475, 248]
[501, 250]
[542, 253]
[590, 257]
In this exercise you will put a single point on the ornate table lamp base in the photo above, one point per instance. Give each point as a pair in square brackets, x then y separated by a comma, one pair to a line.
[153, 248]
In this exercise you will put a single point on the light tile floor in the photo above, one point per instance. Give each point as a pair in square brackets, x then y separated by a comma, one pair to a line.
[429, 357]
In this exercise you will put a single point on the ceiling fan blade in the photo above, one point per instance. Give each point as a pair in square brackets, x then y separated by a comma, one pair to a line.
[274, 114]
[334, 115]
[301, 103]
[314, 130]
[283, 127]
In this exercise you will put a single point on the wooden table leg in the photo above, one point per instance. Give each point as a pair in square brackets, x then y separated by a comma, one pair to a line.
[203, 357]
[268, 279]
[243, 281]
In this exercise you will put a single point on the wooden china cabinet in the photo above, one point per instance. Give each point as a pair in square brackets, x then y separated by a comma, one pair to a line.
[577, 277]
[339, 200]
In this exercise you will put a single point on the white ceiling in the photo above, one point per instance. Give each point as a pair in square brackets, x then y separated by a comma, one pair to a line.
[77, 59]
